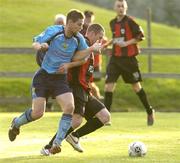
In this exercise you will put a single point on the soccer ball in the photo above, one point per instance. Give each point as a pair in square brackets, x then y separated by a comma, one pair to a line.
[137, 149]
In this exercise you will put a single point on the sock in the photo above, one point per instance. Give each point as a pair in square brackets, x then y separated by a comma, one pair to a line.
[64, 125]
[90, 126]
[51, 141]
[69, 131]
[23, 118]
[143, 98]
[108, 100]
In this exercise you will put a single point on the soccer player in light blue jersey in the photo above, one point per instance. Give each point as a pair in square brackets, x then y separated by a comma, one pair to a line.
[49, 80]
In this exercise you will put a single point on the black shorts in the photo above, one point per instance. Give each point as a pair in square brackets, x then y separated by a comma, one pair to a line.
[127, 67]
[85, 104]
[46, 85]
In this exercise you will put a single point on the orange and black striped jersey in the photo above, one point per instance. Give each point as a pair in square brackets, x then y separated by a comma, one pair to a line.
[125, 30]
[83, 74]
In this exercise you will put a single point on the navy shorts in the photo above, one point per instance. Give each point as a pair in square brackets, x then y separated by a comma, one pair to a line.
[127, 67]
[46, 85]
[85, 104]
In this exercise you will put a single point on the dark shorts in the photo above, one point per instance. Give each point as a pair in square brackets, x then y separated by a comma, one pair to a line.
[127, 67]
[46, 85]
[85, 104]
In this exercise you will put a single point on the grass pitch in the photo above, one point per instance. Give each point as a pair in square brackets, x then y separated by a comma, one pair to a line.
[107, 145]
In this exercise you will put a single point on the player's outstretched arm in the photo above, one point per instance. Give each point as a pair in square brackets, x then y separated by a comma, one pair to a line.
[82, 54]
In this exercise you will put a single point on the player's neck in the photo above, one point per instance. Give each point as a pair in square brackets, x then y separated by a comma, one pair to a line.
[120, 17]
[68, 33]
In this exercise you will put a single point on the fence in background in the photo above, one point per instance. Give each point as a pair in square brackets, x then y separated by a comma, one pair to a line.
[145, 51]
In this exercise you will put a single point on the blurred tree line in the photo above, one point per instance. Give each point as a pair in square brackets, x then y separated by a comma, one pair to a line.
[163, 11]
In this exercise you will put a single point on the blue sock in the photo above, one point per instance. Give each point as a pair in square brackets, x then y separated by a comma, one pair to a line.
[23, 118]
[64, 125]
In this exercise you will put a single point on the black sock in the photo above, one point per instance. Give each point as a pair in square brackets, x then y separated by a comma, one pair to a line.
[90, 126]
[51, 141]
[143, 98]
[48, 146]
[108, 100]
[69, 131]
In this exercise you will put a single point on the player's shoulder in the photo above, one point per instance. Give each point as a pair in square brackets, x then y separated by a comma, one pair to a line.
[79, 36]
[131, 19]
[55, 28]
[113, 20]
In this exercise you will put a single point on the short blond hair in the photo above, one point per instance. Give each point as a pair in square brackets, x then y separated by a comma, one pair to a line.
[96, 28]
[60, 19]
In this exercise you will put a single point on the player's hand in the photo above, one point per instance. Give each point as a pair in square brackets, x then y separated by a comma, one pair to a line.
[36, 45]
[63, 68]
[97, 46]
[44, 46]
[122, 44]
[105, 45]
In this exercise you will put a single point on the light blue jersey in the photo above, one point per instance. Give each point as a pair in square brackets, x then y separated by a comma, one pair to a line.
[61, 49]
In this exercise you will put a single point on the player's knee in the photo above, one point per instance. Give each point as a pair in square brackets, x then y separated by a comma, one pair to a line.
[136, 87]
[107, 117]
[109, 87]
[36, 114]
[104, 116]
[69, 108]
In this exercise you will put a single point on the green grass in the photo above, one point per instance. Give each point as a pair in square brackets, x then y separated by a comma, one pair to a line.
[23, 19]
[18, 63]
[106, 145]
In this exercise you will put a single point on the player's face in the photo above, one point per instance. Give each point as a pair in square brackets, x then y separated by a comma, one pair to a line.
[76, 26]
[120, 8]
[97, 37]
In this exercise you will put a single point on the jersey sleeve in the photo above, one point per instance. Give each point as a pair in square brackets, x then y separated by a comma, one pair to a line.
[46, 35]
[82, 42]
[137, 30]
[111, 23]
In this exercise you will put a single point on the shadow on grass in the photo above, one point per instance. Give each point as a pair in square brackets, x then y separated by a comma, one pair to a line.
[73, 159]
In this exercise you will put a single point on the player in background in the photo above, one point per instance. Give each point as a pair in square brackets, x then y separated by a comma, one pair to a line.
[88, 20]
[60, 19]
[86, 105]
[49, 80]
[126, 34]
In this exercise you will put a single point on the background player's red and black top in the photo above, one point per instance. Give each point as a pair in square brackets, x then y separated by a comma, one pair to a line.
[83, 74]
[126, 29]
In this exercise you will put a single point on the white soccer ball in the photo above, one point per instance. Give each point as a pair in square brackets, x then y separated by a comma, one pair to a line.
[137, 149]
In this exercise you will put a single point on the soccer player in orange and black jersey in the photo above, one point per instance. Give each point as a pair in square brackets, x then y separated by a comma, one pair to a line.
[89, 19]
[86, 105]
[126, 34]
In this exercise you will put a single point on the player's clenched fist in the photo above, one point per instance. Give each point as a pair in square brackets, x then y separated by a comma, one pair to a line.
[38, 46]
[97, 46]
